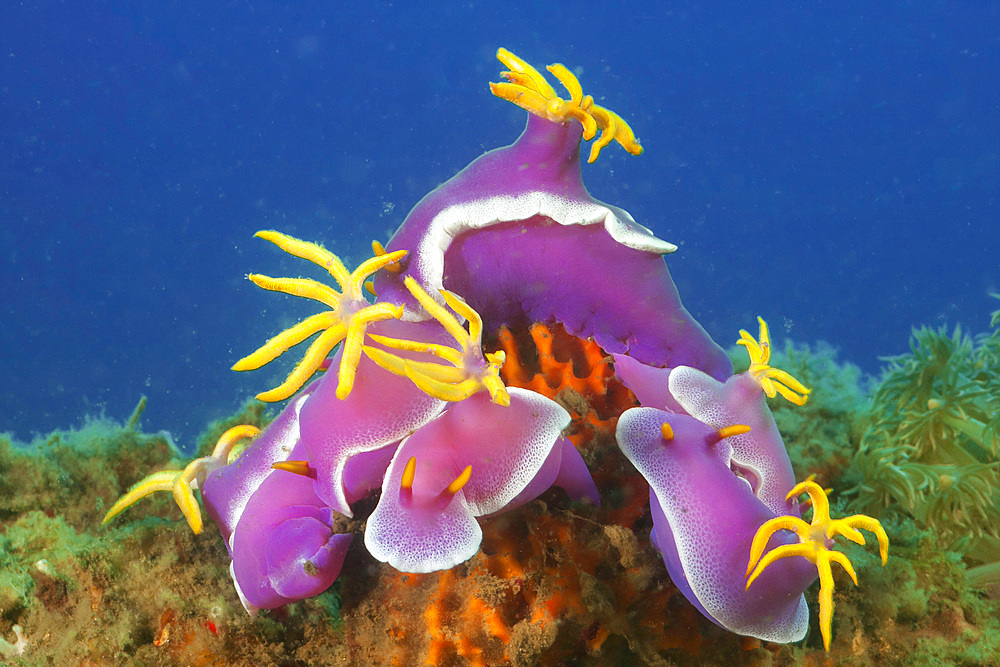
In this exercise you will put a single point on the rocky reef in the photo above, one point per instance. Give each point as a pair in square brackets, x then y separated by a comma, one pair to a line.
[554, 581]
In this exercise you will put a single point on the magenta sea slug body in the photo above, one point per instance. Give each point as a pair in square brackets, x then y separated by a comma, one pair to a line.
[412, 406]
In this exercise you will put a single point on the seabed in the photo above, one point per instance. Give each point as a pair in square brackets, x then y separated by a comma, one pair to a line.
[554, 582]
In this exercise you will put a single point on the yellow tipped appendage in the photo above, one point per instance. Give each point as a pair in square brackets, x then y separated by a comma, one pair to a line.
[410, 472]
[378, 250]
[730, 431]
[459, 483]
[296, 467]
[667, 431]
[470, 371]
[772, 380]
[183, 482]
[528, 89]
[813, 540]
[350, 313]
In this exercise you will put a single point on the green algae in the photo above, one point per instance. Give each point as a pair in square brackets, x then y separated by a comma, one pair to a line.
[144, 590]
[141, 591]
[931, 445]
[917, 610]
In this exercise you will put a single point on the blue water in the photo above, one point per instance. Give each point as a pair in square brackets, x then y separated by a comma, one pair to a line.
[833, 167]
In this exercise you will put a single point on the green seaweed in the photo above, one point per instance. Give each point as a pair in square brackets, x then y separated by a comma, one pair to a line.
[144, 590]
[931, 444]
[141, 591]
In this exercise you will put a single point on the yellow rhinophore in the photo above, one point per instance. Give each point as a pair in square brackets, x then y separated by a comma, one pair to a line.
[528, 89]
[410, 473]
[183, 482]
[470, 370]
[772, 380]
[813, 539]
[350, 313]
[728, 432]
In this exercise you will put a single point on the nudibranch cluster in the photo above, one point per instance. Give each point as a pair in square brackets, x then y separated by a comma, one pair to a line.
[414, 405]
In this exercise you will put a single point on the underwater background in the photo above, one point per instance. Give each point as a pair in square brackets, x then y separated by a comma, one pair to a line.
[832, 167]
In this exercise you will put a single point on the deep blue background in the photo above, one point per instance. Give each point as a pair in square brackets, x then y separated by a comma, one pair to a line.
[833, 167]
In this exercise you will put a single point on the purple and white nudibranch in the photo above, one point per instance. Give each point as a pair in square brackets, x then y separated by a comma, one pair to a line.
[413, 406]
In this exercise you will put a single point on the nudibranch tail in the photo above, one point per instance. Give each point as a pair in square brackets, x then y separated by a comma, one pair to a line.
[471, 370]
[814, 539]
[772, 380]
[350, 313]
[183, 482]
[527, 88]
